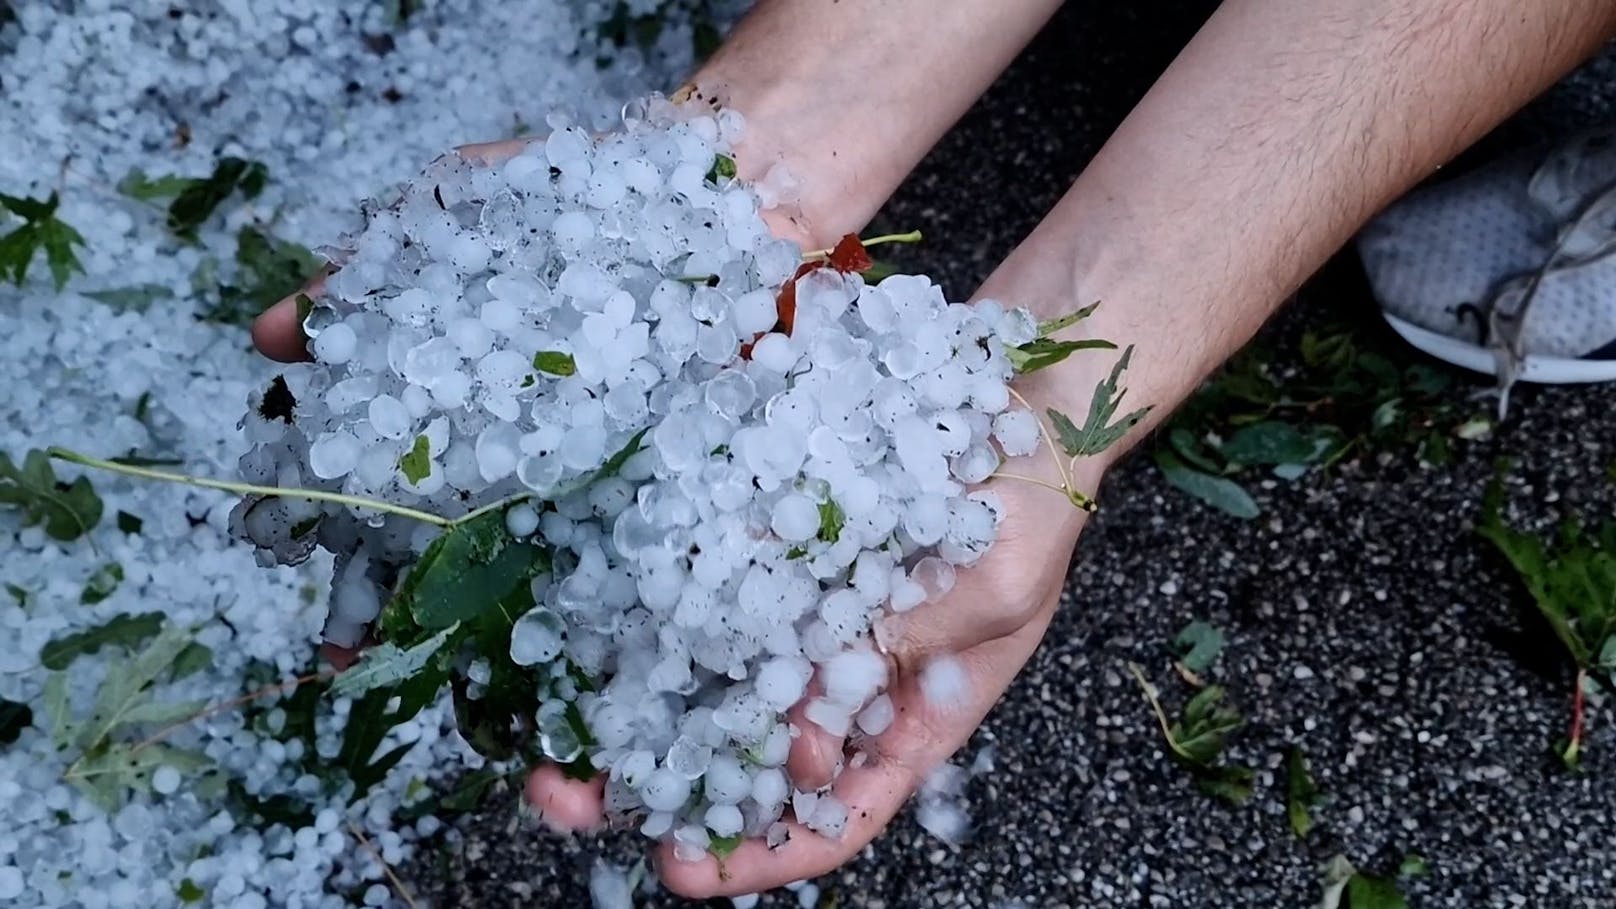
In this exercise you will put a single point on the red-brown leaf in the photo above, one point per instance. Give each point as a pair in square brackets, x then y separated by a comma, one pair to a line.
[850, 255]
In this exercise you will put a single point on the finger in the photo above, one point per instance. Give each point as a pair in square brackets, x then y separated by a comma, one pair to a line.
[564, 804]
[816, 753]
[277, 332]
[922, 736]
[873, 794]
[1000, 594]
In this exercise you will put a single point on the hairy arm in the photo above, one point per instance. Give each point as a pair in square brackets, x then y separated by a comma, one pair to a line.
[1274, 136]
[1276, 133]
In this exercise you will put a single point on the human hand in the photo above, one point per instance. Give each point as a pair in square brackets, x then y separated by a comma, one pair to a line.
[990, 623]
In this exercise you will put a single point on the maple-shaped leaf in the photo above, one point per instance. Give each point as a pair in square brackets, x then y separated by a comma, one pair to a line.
[41, 231]
[849, 255]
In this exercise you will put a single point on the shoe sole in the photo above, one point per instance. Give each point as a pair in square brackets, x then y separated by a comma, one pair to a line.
[1534, 368]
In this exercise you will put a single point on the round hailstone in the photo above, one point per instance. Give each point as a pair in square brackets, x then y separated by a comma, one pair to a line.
[522, 520]
[12, 883]
[945, 683]
[165, 780]
[537, 637]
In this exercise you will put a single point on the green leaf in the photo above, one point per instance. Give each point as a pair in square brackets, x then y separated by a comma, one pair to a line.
[1202, 733]
[1220, 492]
[136, 185]
[162, 713]
[555, 362]
[137, 298]
[14, 718]
[105, 775]
[466, 572]
[831, 521]
[469, 791]
[1269, 443]
[41, 230]
[1194, 452]
[1413, 865]
[1572, 584]
[293, 812]
[387, 664]
[126, 686]
[101, 584]
[188, 892]
[129, 631]
[879, 271]
[193, 659]
[723, 169]
[1099, 431]
[1199, 645]
[369, 721]
[267, 269]
[1367, 892]
[1050, 326]
[197, 200]
[1041, 353]
[1196, 741]
[617, 460]
[67, 510]
[58, 239]
[58, 710]
[722, 846]
[1301, 793]
[417, 462]
[1234, 785]
[128, 523]
[20, 594]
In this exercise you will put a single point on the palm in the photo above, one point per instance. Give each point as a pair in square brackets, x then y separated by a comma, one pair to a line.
[992, 621]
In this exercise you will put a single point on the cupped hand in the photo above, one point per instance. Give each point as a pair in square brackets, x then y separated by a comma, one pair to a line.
[991, 622]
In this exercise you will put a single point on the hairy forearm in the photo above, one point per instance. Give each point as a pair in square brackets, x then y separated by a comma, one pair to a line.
[1274, 136]
[849, 94]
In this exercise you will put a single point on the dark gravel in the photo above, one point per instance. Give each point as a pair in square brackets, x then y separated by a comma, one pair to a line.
[1367, 623]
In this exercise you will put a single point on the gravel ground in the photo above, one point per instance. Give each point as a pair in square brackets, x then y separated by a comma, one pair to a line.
[1366, 622]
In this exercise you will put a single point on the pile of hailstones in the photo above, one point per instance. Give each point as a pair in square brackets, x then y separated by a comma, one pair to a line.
[800, 473]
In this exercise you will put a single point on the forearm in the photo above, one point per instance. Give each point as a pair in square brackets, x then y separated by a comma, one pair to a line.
[1274, 136]
[849, 95]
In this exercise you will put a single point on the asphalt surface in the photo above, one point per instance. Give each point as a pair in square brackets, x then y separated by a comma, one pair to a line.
[1367, 624]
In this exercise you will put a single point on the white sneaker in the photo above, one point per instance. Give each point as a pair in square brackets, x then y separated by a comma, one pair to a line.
[1509, 270]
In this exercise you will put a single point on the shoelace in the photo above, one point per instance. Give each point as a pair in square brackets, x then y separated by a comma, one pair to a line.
[1588, 236]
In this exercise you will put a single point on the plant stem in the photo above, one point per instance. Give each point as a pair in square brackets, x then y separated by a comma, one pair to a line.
[392, 878]
[912, 236]
[1578, 708]
[1001, 475]
[1161, 715]
[222, 706]
[492, 506]
[1049, 442]
[315, 495]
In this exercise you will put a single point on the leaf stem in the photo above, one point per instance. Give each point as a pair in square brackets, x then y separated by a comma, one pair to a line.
[1161, 715]
[492, 506]
[392, 878]
[1578, 701]
[1001, 475]
[913, 236]
[222, 706]
[315, 495]
[1049, 441]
